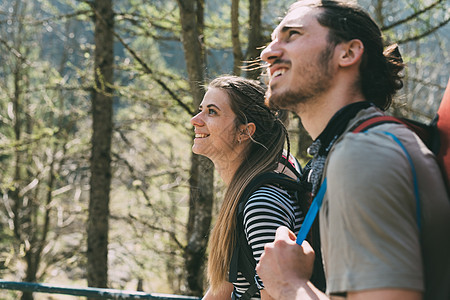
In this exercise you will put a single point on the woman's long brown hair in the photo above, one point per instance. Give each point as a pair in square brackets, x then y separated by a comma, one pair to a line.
[264, 152]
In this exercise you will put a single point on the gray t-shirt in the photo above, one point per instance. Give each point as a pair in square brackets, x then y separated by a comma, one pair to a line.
[369, 229]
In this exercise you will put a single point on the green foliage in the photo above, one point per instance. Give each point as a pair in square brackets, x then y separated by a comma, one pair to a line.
[420, 28]
[41, 165]
[46, 51]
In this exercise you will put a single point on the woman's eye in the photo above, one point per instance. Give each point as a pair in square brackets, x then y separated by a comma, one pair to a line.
[212, 111]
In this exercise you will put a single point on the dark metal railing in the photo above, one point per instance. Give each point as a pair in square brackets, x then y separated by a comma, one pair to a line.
[87, 292]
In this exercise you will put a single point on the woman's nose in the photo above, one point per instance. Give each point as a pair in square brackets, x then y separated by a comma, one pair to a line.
[197, 120]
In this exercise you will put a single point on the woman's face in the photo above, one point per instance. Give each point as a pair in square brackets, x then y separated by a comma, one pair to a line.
[215, 130]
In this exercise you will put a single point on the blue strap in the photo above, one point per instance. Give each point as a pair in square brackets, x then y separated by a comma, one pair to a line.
[414, 176]
[317, 202]
[312, 213]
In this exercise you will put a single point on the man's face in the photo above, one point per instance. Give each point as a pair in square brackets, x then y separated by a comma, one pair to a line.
[299, 58]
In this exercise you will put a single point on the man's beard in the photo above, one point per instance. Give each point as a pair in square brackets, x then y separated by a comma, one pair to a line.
[318, 83]
[287, 100]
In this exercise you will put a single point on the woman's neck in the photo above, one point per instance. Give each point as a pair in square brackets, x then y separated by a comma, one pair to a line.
[227, 168]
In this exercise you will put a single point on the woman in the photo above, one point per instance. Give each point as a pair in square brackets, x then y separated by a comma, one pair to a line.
[243, 138]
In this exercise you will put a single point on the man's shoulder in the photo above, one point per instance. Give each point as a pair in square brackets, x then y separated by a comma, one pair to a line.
[371, 144]
[370, 157]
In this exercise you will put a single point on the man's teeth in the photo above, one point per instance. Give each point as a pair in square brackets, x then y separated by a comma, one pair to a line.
[201, 135]
[278, 72]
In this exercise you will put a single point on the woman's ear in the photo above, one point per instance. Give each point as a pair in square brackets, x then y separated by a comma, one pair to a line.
[246, 131]
[351, 52]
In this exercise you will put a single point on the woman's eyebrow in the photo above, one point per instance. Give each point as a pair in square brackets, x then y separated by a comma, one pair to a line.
[213, 105]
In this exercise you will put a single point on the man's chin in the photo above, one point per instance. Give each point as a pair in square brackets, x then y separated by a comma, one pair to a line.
[275, 101]
[286, 101]
[272, 101]
[269, 103]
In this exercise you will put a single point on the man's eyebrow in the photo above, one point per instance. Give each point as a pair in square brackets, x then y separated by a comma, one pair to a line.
[286, 28]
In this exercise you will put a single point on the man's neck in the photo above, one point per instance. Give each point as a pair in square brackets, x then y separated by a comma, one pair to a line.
[316, 113]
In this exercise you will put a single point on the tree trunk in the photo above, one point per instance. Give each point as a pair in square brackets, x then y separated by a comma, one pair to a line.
[22, 214]
[200, 210]
[237, 49]
[30, 235]
[304, 141]
[255, 40]
[102, 113]
[201, 174]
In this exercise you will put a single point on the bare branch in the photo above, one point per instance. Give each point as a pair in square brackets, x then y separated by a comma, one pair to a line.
[414, 15]
[423, 34]
[427, 83]
[172, 234]
[132, 172]
[132, 32]
[14, 51]
[53, 18]
[61, 87]
[137, 20]
[149, 71]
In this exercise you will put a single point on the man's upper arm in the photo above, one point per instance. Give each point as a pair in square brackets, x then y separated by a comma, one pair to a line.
[372, 240]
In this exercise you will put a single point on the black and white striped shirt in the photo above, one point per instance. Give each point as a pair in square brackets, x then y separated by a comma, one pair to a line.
[268, 208]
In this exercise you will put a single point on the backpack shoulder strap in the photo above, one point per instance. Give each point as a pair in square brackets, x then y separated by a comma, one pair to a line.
[428, 133]
[292, 164]
[374, 121]
[282, 180]
[242, 254]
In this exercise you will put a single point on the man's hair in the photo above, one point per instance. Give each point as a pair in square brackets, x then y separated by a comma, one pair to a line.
[380, 76]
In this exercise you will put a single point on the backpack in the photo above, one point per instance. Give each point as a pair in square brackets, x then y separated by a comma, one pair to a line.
[242, 253]
[436, 136]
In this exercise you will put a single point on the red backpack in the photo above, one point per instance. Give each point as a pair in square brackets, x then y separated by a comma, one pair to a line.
[443, 125]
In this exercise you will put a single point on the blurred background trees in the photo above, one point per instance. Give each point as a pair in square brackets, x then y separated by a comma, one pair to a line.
[160, 201]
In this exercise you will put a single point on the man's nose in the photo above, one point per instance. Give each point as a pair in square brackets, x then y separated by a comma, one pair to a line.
[271, 52]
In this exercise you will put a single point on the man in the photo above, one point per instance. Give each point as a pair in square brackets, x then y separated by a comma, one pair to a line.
[326, 63]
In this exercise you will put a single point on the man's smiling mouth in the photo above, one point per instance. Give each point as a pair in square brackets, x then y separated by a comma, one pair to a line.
[277, 73]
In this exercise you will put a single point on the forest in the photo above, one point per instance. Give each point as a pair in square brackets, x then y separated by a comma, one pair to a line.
[98, 184]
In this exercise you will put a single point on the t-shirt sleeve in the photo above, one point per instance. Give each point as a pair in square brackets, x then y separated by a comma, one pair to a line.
[268, 208]
[372, 239]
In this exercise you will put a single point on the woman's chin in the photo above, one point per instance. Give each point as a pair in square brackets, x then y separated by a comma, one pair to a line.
[208, 152]
[198, 151]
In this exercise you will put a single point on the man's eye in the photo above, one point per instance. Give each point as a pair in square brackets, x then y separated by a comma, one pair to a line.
[292, 32]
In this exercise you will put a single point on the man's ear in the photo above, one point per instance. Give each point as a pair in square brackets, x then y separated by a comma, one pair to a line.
[350, 52]
[246, 131]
